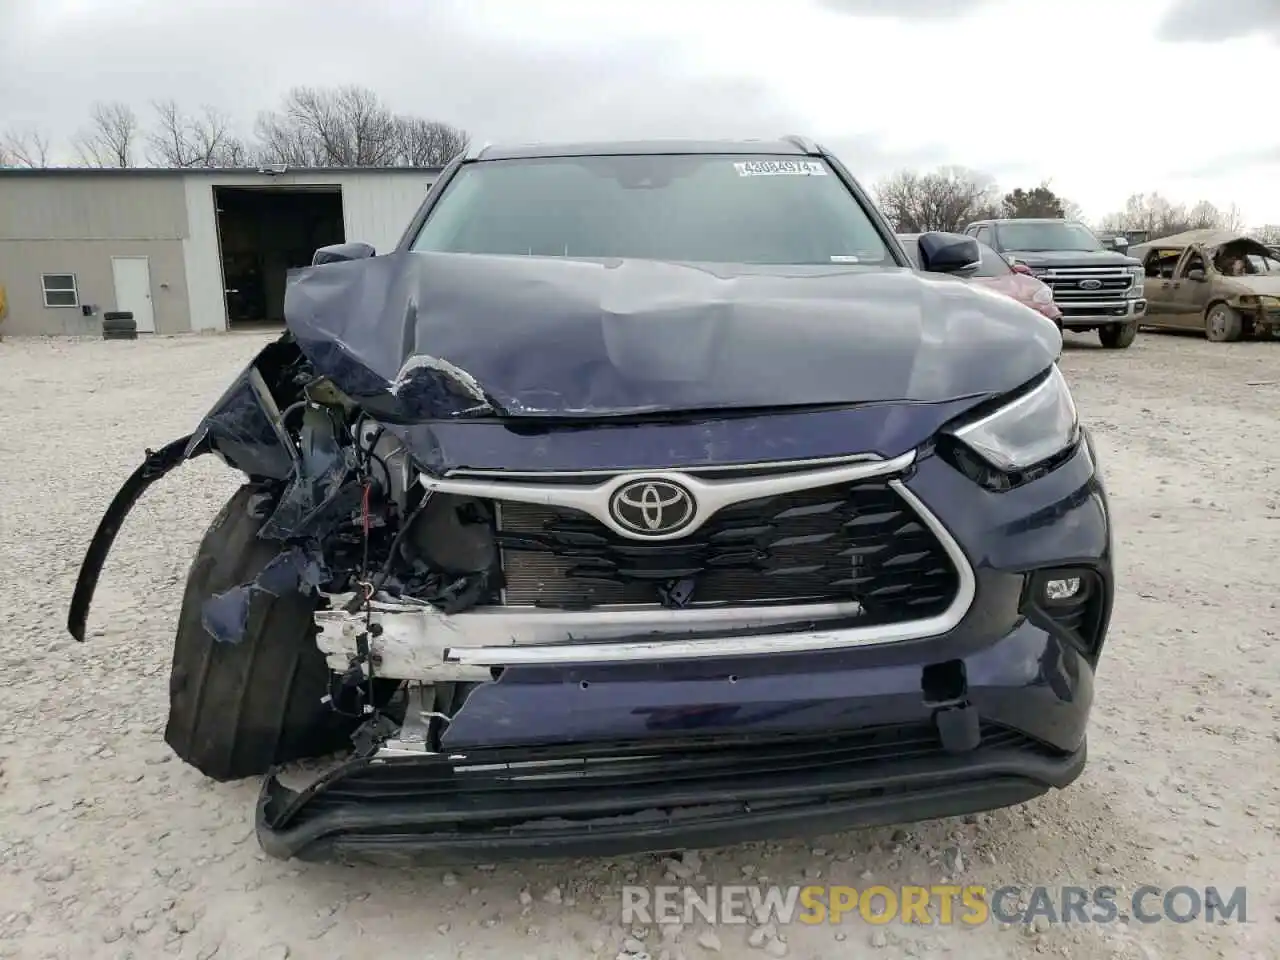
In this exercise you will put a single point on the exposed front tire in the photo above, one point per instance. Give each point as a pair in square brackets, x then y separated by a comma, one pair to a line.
[1117, 336]
[1222, 324]
[236, 709]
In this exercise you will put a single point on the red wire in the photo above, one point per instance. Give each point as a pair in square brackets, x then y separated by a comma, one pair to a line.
[364, 508]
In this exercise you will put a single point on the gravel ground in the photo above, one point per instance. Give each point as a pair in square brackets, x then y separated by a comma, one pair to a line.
[111, 848]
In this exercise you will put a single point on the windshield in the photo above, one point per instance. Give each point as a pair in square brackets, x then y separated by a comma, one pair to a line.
[698, 208]
[1041, 237]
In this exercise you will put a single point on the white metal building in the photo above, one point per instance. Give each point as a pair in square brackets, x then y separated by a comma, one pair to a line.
[183, 250]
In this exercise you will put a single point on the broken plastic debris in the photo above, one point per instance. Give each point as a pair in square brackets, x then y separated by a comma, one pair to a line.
[226, 615]
[319, 489]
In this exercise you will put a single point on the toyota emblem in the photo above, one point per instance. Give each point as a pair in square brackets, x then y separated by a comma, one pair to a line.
[1090, 284]
[652, 507]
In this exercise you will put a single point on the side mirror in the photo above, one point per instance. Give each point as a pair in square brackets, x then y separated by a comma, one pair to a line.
[948, 253]
[1021, 268]
[1197, 275]
[342, 252]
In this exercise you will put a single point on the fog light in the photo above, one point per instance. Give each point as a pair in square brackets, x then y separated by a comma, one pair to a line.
[1055, 591]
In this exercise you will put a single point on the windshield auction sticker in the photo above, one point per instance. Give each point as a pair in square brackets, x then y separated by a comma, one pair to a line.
[780, 168]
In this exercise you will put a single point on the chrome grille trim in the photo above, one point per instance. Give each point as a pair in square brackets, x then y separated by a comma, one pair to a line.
[710, 495]
[1065, 283]
[508, 476]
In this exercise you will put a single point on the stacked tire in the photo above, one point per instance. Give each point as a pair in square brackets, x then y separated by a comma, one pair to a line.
[119, 325]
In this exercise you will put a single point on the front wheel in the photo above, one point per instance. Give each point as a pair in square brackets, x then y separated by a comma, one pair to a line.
[237, 709]
[1222, 324]
[1117, 336]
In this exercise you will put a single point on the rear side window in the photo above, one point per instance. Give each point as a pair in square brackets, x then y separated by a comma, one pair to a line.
[991, 264]
[697, 208]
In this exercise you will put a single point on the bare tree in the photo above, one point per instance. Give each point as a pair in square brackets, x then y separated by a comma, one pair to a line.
[1267, 233]
[27, 148]
[347, 127]
[202, 141]
[1160, 217]
[351, 127]
[946, 199]
[427, 143]
[110, 139]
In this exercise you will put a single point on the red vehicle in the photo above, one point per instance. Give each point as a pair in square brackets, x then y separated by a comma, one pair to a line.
[994, 271]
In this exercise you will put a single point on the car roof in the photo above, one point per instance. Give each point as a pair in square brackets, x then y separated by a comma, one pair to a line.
[1024, 220]
[1208, 238]
[790, 146]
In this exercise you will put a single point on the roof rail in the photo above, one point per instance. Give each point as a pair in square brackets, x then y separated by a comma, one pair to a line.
[475, 153]
[806, 145]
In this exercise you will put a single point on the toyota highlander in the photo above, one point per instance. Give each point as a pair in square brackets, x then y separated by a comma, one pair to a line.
[645, 495]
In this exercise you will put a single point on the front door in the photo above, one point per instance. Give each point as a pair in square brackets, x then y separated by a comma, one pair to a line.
[132, 276]
[1189, 298]
[1159, 267]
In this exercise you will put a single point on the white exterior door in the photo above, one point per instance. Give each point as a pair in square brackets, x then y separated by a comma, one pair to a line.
[132, 276]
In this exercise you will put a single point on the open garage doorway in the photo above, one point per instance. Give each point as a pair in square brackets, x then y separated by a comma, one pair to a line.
[262, 233]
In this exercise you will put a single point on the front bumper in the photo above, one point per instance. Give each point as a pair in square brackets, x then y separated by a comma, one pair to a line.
[717, 744]
[1102, 313]
[604, 799]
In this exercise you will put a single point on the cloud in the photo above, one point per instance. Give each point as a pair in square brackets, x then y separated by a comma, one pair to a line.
[858, 75]
[1211, 20]
[446, 60]
[1233, 162]
[906, 9]
[503, 71]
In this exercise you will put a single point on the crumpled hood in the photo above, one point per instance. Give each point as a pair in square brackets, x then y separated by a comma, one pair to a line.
[420, 336]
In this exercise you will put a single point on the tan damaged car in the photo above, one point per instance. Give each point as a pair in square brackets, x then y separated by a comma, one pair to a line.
[1221, 282]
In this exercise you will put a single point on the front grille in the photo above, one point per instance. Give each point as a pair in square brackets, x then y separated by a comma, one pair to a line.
[1066, 284]
[838, 543]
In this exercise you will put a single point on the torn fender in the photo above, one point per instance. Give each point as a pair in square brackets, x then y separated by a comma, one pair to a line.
[244, 428]
[156, 465]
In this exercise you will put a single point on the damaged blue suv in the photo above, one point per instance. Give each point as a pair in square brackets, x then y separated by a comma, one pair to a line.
[645, 496]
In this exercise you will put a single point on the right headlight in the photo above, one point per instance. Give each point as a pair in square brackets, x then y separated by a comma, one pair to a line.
[1028, 430]
[1136, 289]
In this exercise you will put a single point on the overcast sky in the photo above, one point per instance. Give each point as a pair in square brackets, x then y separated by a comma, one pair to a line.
[1102, 97]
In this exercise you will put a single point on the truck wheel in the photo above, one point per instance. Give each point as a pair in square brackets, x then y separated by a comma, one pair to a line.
[236, 709]
[1117, 336]
[1222, 324]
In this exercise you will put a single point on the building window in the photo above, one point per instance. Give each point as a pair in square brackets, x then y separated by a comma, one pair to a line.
[60, 290]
